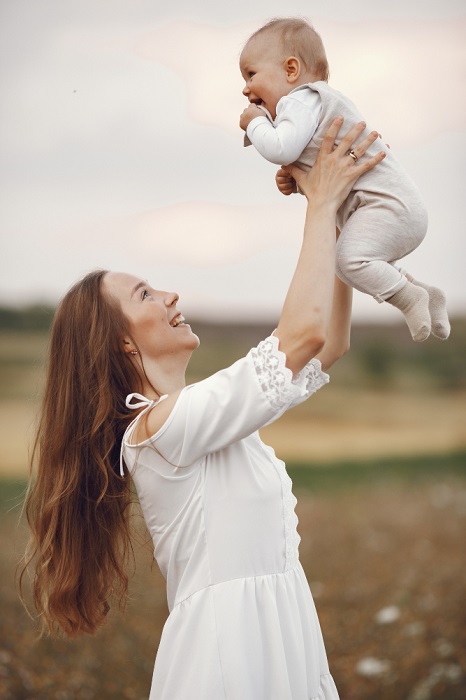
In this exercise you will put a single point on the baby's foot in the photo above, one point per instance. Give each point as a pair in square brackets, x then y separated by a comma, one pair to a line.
[413, 302]
[437, 310]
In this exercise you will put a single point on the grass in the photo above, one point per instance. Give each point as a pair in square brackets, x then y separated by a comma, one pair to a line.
[367, 473]
[382, 534]
[376, 531]
[323, 477]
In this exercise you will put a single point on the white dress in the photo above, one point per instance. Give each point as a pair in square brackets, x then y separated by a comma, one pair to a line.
[219, 507]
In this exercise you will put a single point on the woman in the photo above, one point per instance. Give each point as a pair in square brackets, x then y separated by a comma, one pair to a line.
[217, 502]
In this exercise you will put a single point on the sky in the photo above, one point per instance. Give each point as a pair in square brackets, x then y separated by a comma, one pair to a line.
[120, 146]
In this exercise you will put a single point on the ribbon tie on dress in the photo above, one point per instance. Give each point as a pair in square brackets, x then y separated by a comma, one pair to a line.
[143, 402]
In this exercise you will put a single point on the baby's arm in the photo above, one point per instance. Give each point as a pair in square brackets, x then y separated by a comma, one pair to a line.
[251, 112]
[284, 141]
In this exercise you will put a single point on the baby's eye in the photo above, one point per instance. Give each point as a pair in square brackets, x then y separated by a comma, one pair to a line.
[251, 74]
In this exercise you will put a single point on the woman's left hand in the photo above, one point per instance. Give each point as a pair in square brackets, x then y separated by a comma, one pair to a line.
[335, 171]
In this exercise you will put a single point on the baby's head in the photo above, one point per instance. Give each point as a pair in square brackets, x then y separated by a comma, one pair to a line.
[280, 56]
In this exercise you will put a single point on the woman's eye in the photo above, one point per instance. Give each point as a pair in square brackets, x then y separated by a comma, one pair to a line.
[145, 294]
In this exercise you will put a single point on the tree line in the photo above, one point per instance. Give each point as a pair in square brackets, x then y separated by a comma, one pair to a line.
[380, 354]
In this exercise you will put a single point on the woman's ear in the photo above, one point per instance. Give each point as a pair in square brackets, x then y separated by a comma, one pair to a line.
[128, 346]
[292, 68]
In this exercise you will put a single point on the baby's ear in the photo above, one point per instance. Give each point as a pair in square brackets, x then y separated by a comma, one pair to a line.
[293, 68]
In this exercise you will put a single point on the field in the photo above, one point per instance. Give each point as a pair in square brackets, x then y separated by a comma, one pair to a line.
[379, 469]
[386, 563]
[352, 417]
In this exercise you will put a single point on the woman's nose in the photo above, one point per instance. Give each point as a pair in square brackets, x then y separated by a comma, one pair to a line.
[171, 298]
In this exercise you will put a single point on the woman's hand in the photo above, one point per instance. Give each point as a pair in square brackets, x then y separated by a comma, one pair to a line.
[335, 172]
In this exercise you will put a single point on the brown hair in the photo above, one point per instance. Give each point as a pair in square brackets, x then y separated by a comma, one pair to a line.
[78, 505]
[299, 38]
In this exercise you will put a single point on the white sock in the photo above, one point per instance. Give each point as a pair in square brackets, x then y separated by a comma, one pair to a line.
[437, 310]
[413, 302]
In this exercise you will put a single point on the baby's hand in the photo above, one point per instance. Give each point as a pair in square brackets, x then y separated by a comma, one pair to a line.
[249, 114]
[285, 183]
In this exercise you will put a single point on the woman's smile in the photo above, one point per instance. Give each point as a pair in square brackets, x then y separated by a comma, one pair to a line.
[178, 320]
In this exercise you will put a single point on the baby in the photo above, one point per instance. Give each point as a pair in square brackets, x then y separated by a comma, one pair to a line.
[383, 219]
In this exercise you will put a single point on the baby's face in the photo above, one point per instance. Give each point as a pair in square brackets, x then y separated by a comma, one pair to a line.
[263, 69]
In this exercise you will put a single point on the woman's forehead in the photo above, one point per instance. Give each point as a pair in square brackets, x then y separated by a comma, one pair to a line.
[120, 283]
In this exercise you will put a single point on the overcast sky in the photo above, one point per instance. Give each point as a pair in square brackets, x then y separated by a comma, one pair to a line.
[120, 146]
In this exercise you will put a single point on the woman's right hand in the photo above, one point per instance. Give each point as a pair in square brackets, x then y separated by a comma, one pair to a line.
[334, 173]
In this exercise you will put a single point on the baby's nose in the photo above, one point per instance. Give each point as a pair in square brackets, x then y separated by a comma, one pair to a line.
[246, 91]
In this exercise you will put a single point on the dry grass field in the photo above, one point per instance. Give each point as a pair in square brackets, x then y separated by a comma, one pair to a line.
[336, 424]
[386, 564]
[351, 418]
[379, 468]
[340, 424]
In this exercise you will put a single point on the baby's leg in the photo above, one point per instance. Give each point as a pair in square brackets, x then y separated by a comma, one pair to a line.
[372, 239]
[437, 306]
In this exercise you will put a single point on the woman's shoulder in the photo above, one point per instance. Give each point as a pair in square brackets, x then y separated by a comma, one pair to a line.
[154, 419]
[182, 414]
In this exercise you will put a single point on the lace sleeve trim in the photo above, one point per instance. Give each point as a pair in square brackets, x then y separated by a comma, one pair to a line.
[276, 379]
[312, 376]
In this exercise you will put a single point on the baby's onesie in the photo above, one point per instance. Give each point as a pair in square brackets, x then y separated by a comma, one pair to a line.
[382, 220]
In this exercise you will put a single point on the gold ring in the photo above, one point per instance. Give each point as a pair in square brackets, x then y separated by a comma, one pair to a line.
[353, 155]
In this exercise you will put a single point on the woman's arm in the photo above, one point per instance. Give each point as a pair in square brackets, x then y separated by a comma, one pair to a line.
[226, 407]
[339, 330]
[338, 334]
[242, 398]
[307, 317]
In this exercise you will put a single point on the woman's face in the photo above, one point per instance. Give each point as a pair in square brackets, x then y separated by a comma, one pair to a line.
[157, 327]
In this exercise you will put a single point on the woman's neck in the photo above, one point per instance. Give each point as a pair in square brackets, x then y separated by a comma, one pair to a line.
[159, 379]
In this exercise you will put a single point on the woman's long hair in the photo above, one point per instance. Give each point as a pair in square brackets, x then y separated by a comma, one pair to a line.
[78, 505]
